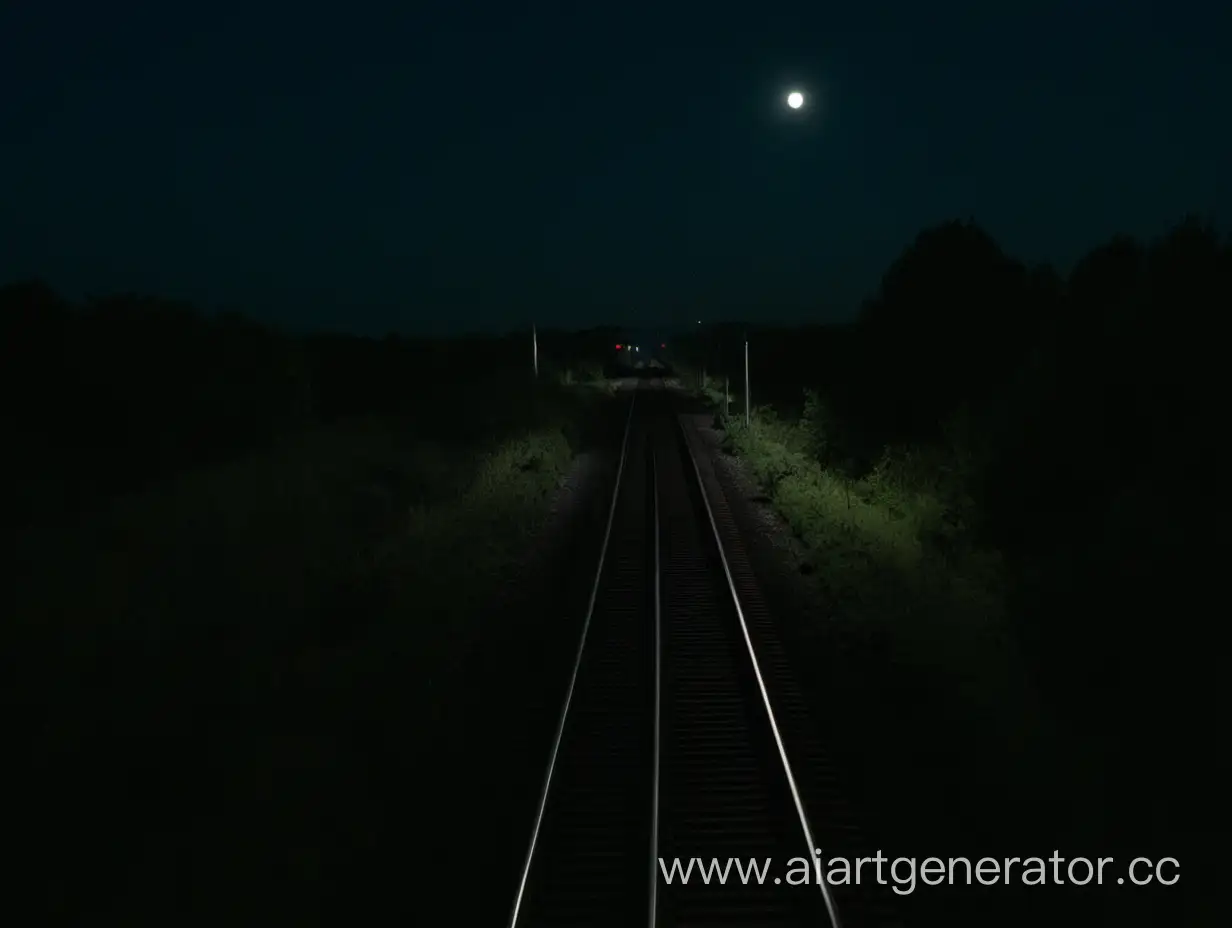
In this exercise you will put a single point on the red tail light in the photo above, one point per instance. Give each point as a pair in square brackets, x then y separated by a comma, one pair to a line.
[617, 347]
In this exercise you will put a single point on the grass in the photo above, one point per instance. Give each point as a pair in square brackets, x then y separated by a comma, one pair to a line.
[227, 634]
[894, 572]
[984, 698]
[272, 535]
[863, 533]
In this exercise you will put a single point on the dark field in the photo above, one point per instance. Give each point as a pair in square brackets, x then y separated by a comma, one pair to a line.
[291, 615]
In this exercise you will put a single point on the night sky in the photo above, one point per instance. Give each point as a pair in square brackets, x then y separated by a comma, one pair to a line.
[441, 166]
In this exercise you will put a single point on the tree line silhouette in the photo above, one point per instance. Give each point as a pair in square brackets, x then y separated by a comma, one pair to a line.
[106, 396]
[1080, 415]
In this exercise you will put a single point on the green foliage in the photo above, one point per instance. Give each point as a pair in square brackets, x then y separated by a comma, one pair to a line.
[894, 545]
[141, 389]
[351, 507]
[315, 551]
[892, 554]
[348, 565]
[994, 474]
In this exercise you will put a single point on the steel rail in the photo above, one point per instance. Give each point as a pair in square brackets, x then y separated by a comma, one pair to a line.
[564, 713]
[831, 907]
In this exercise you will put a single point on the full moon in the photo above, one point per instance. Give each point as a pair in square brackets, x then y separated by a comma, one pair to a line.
[795, 99]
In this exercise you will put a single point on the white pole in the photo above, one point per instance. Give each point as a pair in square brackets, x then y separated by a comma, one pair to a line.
[534, 340]
[746, 382]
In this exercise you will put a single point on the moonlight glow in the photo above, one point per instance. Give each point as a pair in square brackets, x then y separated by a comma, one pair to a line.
[795, 99]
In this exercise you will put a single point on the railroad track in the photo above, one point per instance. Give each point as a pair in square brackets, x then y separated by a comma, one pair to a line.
[673, 738]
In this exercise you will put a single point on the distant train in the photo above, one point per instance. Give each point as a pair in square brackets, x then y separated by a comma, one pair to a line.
[641, 351]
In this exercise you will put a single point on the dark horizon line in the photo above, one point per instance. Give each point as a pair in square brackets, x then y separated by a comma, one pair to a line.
[606, 328]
